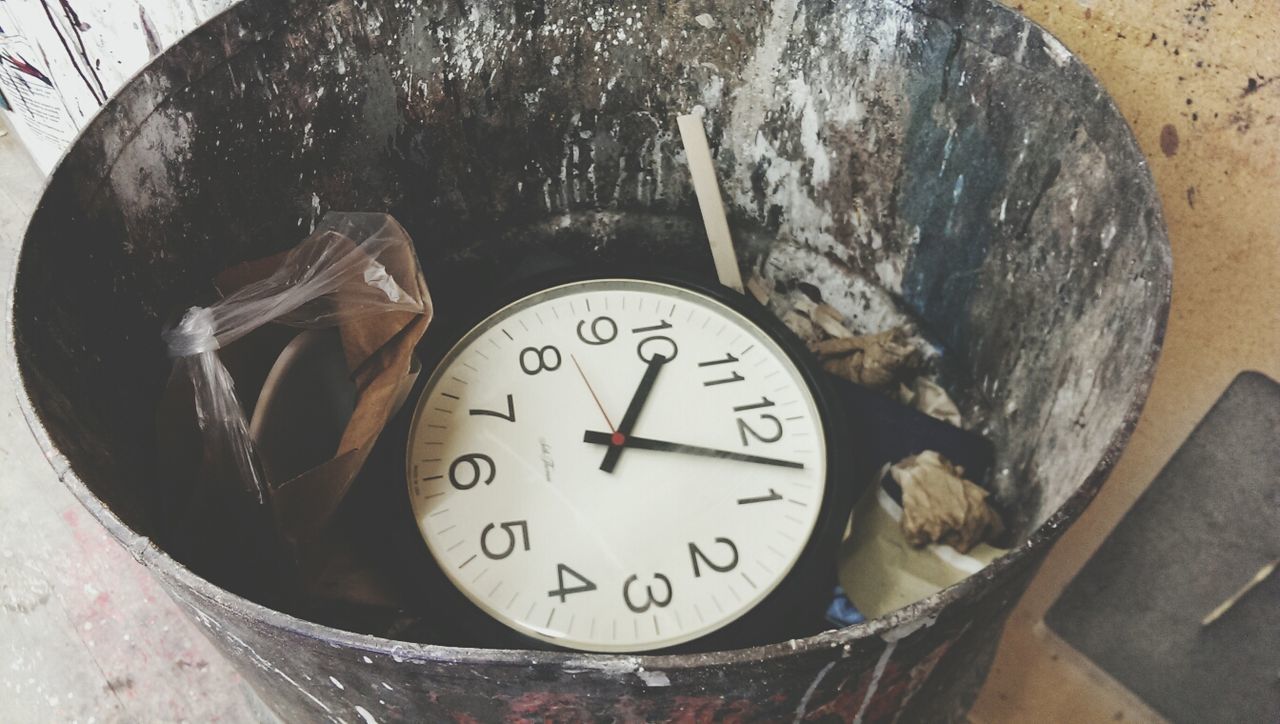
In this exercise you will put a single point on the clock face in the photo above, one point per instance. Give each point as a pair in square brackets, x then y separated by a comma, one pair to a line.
[616, 465]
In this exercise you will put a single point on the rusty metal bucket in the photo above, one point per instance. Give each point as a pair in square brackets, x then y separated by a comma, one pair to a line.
[949, 157]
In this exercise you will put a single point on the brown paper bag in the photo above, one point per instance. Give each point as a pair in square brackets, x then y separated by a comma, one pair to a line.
[379, 304]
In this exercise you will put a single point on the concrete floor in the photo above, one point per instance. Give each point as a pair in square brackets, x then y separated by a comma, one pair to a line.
[85, 635]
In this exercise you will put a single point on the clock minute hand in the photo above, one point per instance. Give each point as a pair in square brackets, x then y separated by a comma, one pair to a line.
[618, 439]
[644, 443]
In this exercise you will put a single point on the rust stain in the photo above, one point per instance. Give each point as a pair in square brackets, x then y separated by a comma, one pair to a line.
[1169, 139]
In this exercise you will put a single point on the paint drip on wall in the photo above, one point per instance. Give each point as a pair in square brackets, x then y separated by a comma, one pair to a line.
[60, 60]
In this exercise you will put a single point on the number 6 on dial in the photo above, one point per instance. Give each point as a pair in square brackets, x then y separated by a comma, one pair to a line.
[473, 462]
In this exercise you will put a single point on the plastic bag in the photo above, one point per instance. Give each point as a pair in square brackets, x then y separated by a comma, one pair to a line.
[354, 266]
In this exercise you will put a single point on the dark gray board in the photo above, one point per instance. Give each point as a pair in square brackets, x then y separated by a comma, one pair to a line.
[1209, 521]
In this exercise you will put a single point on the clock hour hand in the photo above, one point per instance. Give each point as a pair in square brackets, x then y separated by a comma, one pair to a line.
[618, 440]
[644, 443]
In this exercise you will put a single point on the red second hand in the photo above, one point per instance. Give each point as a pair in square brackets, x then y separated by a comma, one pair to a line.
[616, 438]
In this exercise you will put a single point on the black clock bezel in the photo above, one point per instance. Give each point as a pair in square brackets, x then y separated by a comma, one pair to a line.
[795, 607]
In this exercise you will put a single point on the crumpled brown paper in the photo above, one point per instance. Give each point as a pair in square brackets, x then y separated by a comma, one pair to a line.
[928, 397]
[830, 320]
[379, 351]
[896, 355]
[873, 360]
[940, 506]
[359, 274]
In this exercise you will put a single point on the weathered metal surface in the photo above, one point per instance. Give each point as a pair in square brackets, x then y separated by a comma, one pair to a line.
[945, 160]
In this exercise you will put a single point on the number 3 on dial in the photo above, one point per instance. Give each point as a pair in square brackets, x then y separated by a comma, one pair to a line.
[651, 599]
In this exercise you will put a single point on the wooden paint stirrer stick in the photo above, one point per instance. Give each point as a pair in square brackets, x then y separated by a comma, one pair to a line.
[703, 172]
